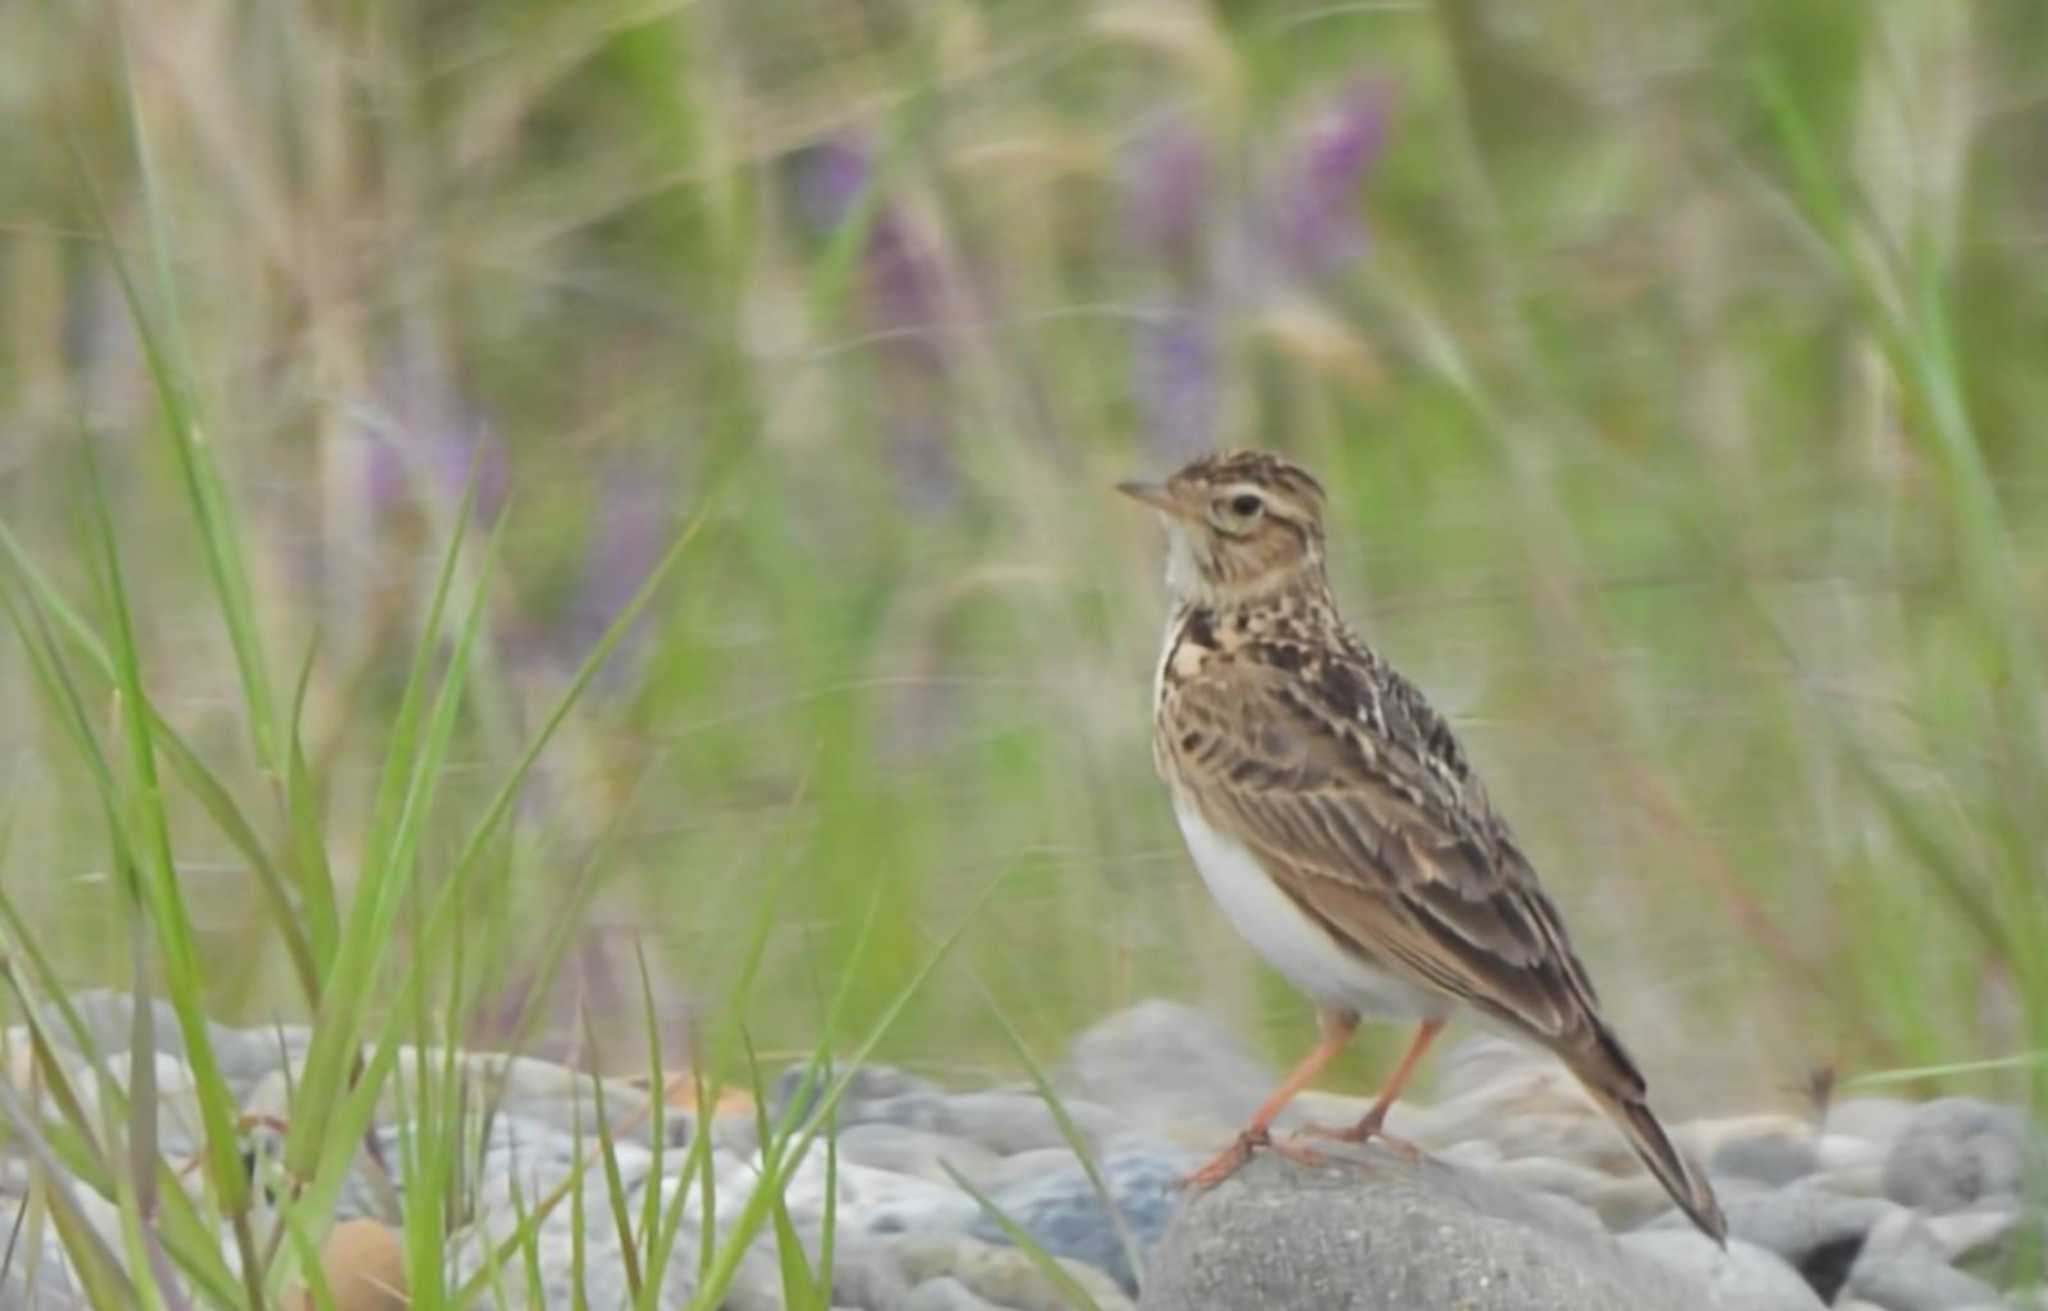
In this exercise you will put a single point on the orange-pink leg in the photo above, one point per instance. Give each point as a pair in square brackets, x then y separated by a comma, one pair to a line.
[1369, 1127]
[1336, 1031]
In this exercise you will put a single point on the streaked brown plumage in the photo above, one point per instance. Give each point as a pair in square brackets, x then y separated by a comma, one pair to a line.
[1337, 820]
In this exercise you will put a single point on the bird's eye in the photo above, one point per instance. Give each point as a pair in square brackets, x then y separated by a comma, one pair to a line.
[1244, 505]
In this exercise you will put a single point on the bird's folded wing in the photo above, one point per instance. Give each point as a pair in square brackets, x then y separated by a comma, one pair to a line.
[1390, 856]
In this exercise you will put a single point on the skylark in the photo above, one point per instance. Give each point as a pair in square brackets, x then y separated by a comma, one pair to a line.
[1337, 821]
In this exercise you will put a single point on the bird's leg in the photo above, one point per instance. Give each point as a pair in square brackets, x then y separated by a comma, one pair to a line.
[1336, 1027]
[1368, 1128]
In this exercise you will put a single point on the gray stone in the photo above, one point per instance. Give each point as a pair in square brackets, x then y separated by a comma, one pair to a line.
[1163, 1064]
[1903, 1268]
[1065, 1216]
[37, 1275]
[1744, 1277]
[944, 1294]
[1561, 1178]
[1841, 1151]
[1957, 1151]
[922, 1111]
[870, 1083]
[1877, 1120]
[1912, 1284]
[1385, 1235]
[1021, 1122]
[1816, 1232]
[955, 1214]
[915, 1152]
[1482, 1062]
[1982, 1236]
[1023, 1167]
[1769, 1158]
[865, 1272]
[1001, 1275]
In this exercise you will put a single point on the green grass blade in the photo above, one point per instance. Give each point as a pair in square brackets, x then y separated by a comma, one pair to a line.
[725, 1263]
[407, 779]
[614, 1181]
[170, 370]
[1075, 1139]
[183, 978]
[317, 901]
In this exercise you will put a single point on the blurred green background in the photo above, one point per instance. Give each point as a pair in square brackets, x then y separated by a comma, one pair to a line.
[1675, 371]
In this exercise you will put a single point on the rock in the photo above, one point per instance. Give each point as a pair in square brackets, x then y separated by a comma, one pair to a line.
[1902, 1268]
[1817, 1233]
[1001, 1275]
[863, 1194]
[1957, 1151]
[1314, 1106]
[916, 1152]
[1063, 1214]
[1384, 1235]
[1021, 1122]
[1962, 1235]
[1745, 1277]
[869, 1084]
[1876, 1120]
[1834, 1152]
[1163, 1064]
[1773, 1154]
[1559, 1178]
[1628, 1203]
[865, 1272]
[1023, 1167]
[39, 1274]
[1526, 1104]
[923, 1111]
[363, 1263]
[1910, 1284]
[1480, 1062]
[944, 1294]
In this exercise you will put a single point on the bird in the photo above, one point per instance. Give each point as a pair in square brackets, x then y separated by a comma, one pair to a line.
[1340, 825]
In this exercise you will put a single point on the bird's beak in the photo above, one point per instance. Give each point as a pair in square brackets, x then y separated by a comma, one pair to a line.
[1157, 495]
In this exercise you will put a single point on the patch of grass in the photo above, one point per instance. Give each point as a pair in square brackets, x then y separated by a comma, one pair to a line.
[1675, 381]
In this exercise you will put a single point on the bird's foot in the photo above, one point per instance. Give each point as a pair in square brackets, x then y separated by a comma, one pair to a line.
[1233, 1157]
[1365, 1131]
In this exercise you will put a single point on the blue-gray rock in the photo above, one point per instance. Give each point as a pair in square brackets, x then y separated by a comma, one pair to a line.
[1163, 1064]
[869, 1084]
[1063, 1213]
[1958, 1151]
[1744, 1277]
[1387, 1235]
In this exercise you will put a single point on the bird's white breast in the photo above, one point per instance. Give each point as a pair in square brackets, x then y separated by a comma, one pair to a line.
[1290, 941]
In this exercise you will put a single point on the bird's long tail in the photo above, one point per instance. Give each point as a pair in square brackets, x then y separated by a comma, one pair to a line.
[1611, 1078]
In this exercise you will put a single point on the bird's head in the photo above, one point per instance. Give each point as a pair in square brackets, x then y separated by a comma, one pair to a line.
[1239, 526]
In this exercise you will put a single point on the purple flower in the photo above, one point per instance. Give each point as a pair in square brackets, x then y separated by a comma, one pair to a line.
[1167, 184]
[1177, 387]
[424, 438]
[1317, 221]
[903, 299]
[633, 521]
[829, 180]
